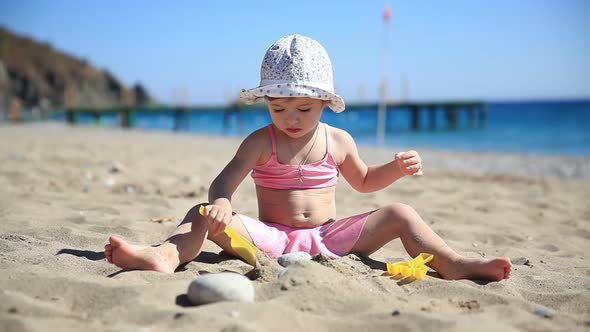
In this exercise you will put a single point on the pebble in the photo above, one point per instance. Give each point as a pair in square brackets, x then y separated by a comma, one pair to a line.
[544, 312]
[292, 258]
[110, 182]
[520, 261]
[116, 167]
[216, 287]
[130, 189]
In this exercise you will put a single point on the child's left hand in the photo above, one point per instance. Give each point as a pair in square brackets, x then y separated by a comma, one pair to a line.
[409, 163]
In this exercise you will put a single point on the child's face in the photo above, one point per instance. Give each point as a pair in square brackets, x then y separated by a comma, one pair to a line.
[295, 117]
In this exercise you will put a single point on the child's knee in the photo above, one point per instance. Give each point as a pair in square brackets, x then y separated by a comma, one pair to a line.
[193, 215]
[401, 213]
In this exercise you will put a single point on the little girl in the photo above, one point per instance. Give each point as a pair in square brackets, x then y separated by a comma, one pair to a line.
[295, 163]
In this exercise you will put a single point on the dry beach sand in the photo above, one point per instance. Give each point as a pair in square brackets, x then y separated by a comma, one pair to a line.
[64, 190]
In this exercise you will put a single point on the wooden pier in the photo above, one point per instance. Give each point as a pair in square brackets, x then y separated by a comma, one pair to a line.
[476, 113]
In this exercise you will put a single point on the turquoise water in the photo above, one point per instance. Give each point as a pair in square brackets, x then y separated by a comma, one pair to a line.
[523, 127]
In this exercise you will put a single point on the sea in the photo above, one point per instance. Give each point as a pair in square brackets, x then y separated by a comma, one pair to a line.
[527, 127]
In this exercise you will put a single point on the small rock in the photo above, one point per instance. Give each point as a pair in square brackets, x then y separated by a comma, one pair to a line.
[520, 261]
[116, 167]
[470, 305]
[110, 182]
[474, 244]
[544, 312]
[322, 259]
[189, 194]
[216, 287]
[395, 313]
[161, 220]
[294, 257]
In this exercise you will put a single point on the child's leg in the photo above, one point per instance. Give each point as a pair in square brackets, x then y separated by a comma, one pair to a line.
[400, 220]
[182, 246]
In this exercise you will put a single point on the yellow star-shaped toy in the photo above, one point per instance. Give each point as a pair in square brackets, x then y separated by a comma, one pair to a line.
[415, 268]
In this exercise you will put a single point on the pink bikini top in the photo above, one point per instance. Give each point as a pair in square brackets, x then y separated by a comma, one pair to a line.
[273, 174]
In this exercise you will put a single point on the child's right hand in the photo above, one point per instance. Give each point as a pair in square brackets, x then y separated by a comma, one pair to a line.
[409, 163]
[218, 217]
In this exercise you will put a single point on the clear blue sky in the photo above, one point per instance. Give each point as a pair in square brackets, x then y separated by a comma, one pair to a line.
[518, 49]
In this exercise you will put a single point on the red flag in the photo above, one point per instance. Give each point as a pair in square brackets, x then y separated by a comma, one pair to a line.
[387, 14]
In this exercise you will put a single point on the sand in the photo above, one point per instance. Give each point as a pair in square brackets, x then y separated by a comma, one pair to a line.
[64, 190]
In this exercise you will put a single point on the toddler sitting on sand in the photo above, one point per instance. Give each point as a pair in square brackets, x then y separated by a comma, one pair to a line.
[296, 162]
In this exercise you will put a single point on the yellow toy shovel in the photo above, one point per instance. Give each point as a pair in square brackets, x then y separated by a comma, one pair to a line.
[246, 249]
[415, 268]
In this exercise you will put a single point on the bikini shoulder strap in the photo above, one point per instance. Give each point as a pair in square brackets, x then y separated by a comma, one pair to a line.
[273, 139]
[328, 142]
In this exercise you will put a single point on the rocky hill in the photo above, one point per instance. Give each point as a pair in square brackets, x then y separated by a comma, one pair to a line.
[35, 75]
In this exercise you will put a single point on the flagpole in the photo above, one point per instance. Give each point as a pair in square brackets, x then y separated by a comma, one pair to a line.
[383, 86]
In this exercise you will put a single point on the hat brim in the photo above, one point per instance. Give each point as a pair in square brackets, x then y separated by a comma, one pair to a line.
[289, 90]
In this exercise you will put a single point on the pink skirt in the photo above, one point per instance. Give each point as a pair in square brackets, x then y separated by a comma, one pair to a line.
[334, 239]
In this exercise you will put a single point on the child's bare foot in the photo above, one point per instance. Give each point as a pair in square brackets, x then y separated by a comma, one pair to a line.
[494, 269]
[132, 257]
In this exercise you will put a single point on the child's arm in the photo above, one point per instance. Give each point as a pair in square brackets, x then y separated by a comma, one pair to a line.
[365, 178]
[219, 212]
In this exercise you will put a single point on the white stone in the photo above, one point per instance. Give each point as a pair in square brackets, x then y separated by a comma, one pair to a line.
[291, 258]
[216, 287]
[110, 182]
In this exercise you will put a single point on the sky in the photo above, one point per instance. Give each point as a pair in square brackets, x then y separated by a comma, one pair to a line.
[205, 52]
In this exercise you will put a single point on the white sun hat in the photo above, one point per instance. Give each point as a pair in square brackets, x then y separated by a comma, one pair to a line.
[296, 66]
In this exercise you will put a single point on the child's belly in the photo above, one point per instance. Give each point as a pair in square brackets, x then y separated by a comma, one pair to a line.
[297, 207]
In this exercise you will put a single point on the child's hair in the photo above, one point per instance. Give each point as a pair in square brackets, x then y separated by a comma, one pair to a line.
[296, 66]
